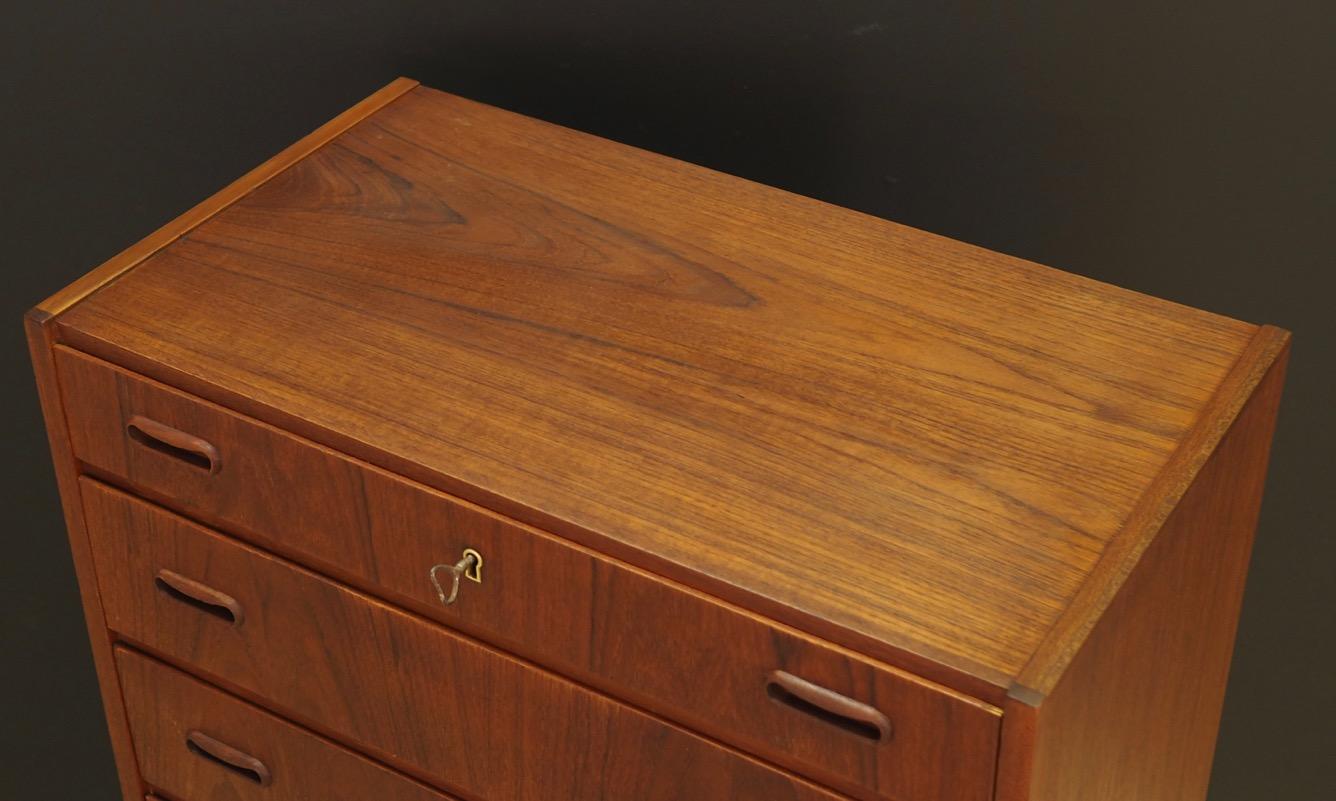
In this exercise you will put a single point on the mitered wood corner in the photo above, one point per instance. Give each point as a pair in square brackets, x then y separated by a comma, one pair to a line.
[1137, 707]
[1266, 352]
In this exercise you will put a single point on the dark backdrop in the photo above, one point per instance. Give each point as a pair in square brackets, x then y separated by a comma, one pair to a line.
[1181, 149]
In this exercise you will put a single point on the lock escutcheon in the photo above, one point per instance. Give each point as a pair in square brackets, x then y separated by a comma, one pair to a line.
[473, 570]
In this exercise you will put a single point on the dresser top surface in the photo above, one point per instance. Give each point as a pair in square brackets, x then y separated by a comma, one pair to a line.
[854, 425]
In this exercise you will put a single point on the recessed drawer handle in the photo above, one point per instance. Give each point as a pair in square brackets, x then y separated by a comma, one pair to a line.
[202, 745]
[201, 596]
[173, 442]
[846, 713]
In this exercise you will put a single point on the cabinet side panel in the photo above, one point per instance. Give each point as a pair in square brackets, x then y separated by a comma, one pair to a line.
[1135, 716]
[39, 346]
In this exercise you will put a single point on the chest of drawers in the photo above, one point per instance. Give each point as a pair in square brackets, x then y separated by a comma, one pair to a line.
[452, 454]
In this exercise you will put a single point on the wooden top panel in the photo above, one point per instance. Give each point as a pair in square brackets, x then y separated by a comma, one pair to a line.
[883, 436]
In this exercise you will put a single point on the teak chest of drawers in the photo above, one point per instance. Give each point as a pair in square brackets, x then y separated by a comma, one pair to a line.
[452, 454]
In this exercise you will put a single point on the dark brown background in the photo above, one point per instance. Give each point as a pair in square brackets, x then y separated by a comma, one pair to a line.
[1186, 150]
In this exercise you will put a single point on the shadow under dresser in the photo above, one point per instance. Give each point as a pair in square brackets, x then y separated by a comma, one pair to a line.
[451, 454]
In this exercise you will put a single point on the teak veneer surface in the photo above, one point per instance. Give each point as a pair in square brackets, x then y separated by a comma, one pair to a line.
[413, 694]
[876, 434]
[166, 705]
[678, 653]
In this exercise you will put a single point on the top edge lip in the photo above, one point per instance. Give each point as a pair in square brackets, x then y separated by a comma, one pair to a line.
[117, 266]
[1060, 645]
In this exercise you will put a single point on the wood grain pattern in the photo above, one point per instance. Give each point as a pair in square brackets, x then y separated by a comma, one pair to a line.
[444, 708]
[667, 648]
[126, 260]
[904, 444]
[38, 330]
[1148, 517]
[1136, 713]
[166, 704]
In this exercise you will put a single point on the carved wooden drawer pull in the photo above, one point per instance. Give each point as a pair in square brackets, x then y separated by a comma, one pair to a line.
[220, 753]
[201, 596]
[173, 442]
[853, 716]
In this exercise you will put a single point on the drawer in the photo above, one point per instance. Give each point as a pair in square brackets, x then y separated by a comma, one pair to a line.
[664, 647]
[197, 743]
[402, 689]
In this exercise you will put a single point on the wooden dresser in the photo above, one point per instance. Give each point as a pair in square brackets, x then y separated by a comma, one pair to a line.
[450, 454]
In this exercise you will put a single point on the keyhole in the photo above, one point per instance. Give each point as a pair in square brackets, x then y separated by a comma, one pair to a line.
[473, 571]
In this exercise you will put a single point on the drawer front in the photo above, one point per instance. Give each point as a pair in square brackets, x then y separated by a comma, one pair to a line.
[196, 743]
[664, 647]
[406, 691]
